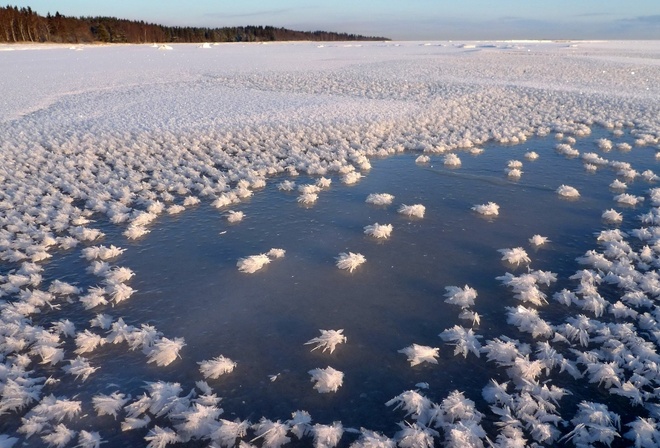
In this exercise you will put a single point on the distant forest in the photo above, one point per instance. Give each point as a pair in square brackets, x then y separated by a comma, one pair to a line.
[25, 25]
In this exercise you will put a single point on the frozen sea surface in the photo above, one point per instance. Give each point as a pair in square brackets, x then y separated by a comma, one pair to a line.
[133, 127]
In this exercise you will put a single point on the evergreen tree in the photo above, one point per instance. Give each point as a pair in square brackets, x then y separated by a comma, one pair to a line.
[25, 25]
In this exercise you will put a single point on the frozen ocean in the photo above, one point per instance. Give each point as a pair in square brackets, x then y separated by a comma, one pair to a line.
[384, 244]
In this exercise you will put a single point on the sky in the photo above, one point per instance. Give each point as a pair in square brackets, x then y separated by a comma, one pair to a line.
[395, 19]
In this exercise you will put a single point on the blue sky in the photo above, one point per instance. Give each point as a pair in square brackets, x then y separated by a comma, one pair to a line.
[397, 19]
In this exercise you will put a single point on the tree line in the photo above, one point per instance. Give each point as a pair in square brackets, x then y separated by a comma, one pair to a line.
[25, 25]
